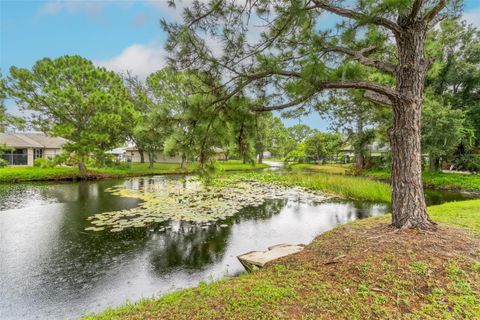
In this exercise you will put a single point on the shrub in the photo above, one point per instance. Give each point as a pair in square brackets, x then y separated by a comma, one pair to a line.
[60, 159]
[44, 163]
[379, 162]
[468, 162]
[3, 163]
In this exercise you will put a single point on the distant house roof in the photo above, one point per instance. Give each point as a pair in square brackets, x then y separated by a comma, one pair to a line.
[120, 150]
[31, 140]
[375, 147]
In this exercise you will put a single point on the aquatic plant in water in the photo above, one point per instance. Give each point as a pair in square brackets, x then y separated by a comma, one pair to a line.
[192, 200]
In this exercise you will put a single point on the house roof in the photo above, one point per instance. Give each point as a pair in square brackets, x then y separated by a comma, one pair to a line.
[120, 150]
[218, 150]
[31, 140]
[375, 147]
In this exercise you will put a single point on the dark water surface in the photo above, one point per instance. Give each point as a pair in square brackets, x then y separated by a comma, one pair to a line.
[50, 268]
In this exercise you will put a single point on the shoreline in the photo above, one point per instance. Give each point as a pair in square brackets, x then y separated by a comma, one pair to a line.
[70, 174]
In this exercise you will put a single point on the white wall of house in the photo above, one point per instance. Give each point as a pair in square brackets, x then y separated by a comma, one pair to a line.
[30, 157]
[159, 157]
[50, 152]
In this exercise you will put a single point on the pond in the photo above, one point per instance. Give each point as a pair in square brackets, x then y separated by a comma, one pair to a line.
[52, 268]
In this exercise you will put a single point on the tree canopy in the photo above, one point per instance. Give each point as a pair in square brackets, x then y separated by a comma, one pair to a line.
[72, 98]
[378, 46]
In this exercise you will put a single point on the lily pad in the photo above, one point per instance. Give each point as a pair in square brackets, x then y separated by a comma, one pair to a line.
[191, 200]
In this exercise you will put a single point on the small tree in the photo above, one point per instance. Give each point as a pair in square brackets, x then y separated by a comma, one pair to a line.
[358, 118]
[194, 126]
[7, 120]
[71, 98]
[442, 130]
[455, 76]
[138, 96]
[323, 145]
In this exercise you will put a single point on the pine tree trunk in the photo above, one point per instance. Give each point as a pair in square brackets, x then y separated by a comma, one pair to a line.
[183, 165]
[260, 157]
[151, 159]
[433, 163]
[359, 162]
[408, 200]
[359, 157]
[82, 167]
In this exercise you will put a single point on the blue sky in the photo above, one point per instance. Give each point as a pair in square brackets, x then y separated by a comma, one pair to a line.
[121, 34]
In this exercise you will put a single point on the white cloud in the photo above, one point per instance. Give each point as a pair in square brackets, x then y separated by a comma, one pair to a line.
[139, 59]
[472, 17]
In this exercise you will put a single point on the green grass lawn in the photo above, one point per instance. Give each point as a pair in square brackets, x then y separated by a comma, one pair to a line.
[18, 174]
[438, 180]
[361, 270]
[323, 168]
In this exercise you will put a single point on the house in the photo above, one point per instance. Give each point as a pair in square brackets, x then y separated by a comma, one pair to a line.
[376, 149]
[267, 154]
[220, 154]
[24, 148]
[132, 154]
[120, 154]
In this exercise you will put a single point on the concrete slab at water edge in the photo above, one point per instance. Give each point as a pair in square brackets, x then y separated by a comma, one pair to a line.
[255, 260]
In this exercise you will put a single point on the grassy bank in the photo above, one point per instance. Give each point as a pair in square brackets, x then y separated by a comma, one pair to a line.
[324, 168]
[338, 185]
[361, 270]
[437, 180]
[19, 174]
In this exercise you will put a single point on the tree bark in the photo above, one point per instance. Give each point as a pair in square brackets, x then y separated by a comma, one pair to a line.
[82, 167]
[142, 156]
[260, 157]
[359, 156]
[151, 159]
[433, 163]
[359, 162]
[408, 200]
[184, 163]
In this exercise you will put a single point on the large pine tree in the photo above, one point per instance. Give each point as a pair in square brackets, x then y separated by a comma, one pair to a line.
[295, 59]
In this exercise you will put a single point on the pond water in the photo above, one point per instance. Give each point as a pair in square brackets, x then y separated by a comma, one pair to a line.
[51, 268]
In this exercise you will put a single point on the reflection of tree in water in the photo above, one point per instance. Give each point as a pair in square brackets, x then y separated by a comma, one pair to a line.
[434, 197]
[192, 246]
[189, 245]
[262, 212]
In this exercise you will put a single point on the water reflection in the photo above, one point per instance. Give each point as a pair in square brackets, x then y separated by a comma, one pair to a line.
[50, 268]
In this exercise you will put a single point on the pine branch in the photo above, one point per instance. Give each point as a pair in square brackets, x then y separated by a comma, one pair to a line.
[416, 7]
[286, 105]
[434, 12]
[380, 90]
[359, 55]
[377, 98]
[323, 4]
